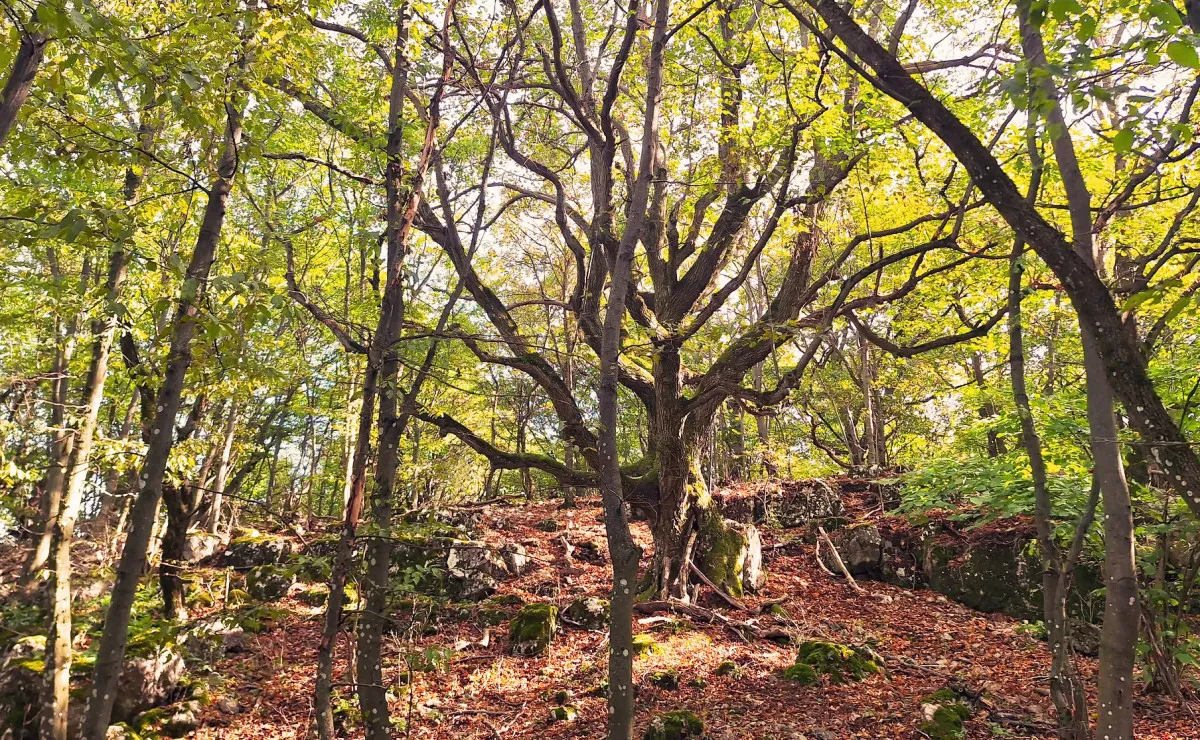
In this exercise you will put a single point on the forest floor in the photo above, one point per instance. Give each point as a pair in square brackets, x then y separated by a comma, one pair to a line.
[484, 692]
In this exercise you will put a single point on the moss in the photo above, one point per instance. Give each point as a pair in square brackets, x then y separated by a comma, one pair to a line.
[729, 668]
[507, 600]
[725, 555]
[198, 691]
[532, 629]
[840, 663]
[547, 525]
[562, 696]
[563, 714]
[801, 673]
[698, 683]
[675, 725]
[644, 644]
[666, 680]
[947, 722]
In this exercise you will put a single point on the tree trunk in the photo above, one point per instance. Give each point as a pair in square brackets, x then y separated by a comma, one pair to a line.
[133, 556]
[20, 79]
[1118, 639]
[214, 512]
[58, 639]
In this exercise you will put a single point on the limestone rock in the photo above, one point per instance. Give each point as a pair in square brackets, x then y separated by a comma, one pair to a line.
[860, 547]
[147, 682]
[269, 582]
[254, 549]
[516, 560]
[730, 554]
[200, 546]
[587, 613]
[531, 631]
[475, 571]
[675, 725]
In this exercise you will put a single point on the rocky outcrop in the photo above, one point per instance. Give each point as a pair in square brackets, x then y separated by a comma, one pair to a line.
[201, 546]
[254, 549]
[147, 682]
[860, 548]
[269, 582]
[785, 504]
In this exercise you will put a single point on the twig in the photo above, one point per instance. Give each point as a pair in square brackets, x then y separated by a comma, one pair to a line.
[838, 559]
[724, 596]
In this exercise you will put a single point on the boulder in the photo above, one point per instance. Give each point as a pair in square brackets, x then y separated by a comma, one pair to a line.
[531, 631]
[147, 682]
[840, 663]
[200, 546]
[860, 547]
[269, 582]
[174, 721]
[211, 641]
[675, 725]
[254, 549]
[475, 571]
[587, 613]
[730, 554]
[21, 680]
[516, 560]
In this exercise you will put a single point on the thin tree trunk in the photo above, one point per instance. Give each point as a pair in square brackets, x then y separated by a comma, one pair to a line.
[58, 639]
[1118, 639]
[214, 513]
[623, 551]
[133, 556]
[1066, 689]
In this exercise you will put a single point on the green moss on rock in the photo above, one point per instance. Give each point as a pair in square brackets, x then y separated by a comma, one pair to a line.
[841, 663]
[945, 715]
[563, 714]
[729, 668]
[801, 673]
[532, 629]
[644, 644]
[675, 725]
[724, 553]
[666, 680]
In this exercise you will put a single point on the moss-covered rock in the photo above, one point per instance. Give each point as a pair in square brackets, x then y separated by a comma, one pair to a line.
[730, 554]
[531, 631]
[729, 668]
[801, 673]
[675, 725]
[253, 549]
[644, 644]
[588, 613]
[563, 714]
[840, 663]
[269, 582]
[944, 715]
[547, 525]
[667, 680]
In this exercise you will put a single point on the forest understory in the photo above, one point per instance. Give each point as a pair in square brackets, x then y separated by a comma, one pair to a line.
[467, 683]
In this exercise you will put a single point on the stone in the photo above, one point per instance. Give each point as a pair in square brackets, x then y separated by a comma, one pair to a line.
[726, 549]
[840, 663]
[943, 715]
[563, 714]
[228, 705]
[666, 680]
[475, 571]
[644, 644]
[860, 547]
[729, 668]
[211, 641]
[516, 560]
[674, 725]
[531, 631]
[547, 525]
[254, 549]
[147, 682]
[173, 721]
[269, 582]
[787, 504]
[200, 546]
[119, 731]
[588, 613]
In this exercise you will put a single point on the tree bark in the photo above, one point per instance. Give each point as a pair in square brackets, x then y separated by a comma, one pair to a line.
[20, 79]
[58, 639]
[133, 556]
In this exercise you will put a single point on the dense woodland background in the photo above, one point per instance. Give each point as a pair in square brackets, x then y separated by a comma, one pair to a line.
[339, 274]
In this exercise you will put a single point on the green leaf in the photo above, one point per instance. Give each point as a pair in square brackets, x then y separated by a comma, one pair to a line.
[1123, 141]
[1184, 54]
